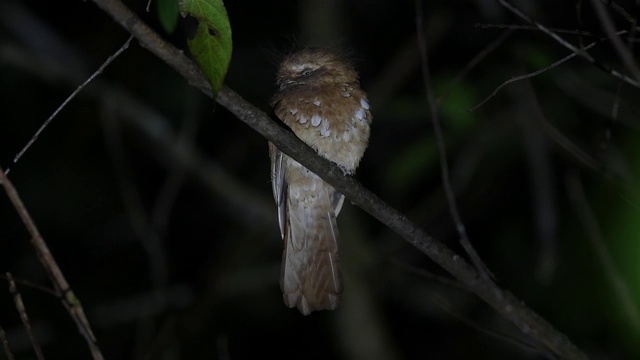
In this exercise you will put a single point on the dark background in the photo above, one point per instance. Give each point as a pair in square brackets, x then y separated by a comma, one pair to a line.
[158, 208]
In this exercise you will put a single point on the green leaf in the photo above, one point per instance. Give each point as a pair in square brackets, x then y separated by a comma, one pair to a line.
[211, 46]
[168, 14]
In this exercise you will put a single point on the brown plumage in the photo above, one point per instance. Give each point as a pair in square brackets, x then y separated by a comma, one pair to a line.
[320, 99]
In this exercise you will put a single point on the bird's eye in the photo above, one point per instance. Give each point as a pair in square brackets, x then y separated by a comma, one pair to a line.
[307, 72]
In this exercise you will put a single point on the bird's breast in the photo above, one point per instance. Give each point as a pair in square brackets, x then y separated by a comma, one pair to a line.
[332, 120]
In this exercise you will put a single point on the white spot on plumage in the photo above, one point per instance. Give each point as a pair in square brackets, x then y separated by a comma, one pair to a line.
[315, 120]
[316, 102]
[364, 104]
[360, 115]
[303, 119]
[293, 111]
[324, 129]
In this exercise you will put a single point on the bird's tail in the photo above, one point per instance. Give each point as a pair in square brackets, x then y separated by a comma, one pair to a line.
[310, 274]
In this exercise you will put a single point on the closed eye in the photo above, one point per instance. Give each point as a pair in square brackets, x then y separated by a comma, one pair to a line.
[307, 72]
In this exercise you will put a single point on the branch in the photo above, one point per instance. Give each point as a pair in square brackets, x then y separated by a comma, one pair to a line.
[442, 151]
[530, 75]
[609, 29]
[17, 299]
[64, 103]
[540, 71]
[504, 302]
[581, 52]
[68, 298]
[5, 345]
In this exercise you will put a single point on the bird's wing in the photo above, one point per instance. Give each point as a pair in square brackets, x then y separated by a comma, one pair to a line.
[278, 184]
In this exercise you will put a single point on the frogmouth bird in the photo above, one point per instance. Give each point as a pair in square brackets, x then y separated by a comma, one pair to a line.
[320, 99]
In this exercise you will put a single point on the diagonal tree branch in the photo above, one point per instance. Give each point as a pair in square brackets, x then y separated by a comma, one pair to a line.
[502, 301]
[607, 24]
[581, 52]
[67, 296]
[17, 299]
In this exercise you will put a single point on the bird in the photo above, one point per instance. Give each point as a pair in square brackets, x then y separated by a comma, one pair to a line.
[319, 98]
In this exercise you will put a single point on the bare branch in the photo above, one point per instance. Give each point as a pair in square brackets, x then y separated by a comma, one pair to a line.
[529, 27]
[564, 142]
[147, 234]
[442, 152]
[24, 317]
[64, 103]
[5, 344]
[32, 285]
[70, 301]
[633, 21]
[621, 49]
[442, 303]
[563, 42]
[535, 73]
[473, 62]
[527, 76]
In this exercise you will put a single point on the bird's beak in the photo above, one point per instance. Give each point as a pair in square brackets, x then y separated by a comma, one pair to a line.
[285, 82]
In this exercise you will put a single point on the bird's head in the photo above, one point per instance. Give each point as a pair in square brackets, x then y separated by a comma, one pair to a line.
[315, 67]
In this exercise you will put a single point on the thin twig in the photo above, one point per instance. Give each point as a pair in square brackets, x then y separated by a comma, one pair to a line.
[24, 317]
[615, 108]
[616, 101]
[579, 33]
[632, 20]
[543, 194]
[620, 48]
[530, 75]
[471, 64]
[442, 151]
[532, 28]
[147, 233]
[563, 42]
[32, 285]
[483, 329]
[68, 298]
[504, 302]
[5, 344]
[564, 142]
[136, 212]
[176, 174]
[64, 103]
[589, 220]
[452, 283]
[579, 21]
